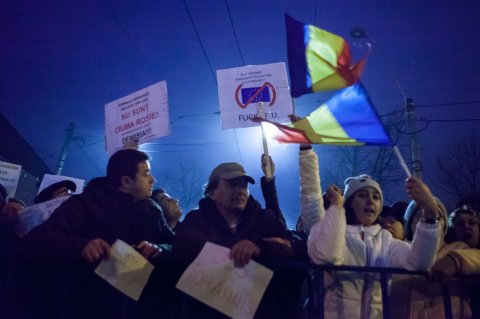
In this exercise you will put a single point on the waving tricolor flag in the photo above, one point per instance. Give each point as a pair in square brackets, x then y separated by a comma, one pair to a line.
[348, 118]
[318, 60]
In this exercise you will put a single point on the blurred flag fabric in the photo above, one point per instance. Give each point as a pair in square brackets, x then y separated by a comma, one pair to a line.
[348, 118]
[318, 60]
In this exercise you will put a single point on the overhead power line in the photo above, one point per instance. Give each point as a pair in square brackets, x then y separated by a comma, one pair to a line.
[234, 33]
[200, 41]
[448, 104]
[117, 20]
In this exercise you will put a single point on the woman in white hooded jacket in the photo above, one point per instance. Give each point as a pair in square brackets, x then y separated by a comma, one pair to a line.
[348, 234]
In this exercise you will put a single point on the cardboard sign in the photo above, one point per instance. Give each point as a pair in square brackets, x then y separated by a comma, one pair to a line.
[240, 90]
[141, 116]
[213, 279]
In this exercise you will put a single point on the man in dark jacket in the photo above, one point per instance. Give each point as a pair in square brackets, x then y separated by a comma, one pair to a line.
[230, 217]
[79, 234]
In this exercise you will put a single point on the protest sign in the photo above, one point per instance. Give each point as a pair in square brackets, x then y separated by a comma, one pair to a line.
[125, 269]
[241, 89]
[213, 279]
[32, 216]
[9, 177]
[141, 116]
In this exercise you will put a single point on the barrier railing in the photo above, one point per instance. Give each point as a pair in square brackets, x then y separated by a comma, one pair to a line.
[316, 292]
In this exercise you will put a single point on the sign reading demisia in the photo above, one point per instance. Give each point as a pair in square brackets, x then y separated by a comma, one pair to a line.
[141, 116]
[240, 90]
[9, 177]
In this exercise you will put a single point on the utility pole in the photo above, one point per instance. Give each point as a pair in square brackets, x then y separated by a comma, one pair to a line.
[63, 154]
[414, 144]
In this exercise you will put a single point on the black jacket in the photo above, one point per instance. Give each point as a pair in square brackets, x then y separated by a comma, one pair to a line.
[54, 281]
[99, 212]
[206, 224]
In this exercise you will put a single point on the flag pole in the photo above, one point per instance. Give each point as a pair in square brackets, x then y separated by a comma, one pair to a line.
[268, 169]
[402, 161]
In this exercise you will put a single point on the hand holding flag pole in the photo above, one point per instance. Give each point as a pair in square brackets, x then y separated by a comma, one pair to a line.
[268, 169]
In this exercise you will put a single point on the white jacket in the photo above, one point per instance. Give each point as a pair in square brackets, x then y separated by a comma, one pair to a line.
[332, 241]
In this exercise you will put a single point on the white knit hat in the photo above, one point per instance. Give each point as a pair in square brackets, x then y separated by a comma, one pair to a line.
[356, 183]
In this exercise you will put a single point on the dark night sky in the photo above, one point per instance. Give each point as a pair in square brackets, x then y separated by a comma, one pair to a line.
[62, 61]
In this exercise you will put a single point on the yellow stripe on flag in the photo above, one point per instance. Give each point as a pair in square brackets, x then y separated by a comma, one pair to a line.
[321, 127]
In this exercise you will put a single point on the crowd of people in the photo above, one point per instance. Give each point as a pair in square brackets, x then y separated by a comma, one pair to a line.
[50, 272]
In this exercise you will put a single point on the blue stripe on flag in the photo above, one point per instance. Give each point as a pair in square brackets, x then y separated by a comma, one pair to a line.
[357, 116]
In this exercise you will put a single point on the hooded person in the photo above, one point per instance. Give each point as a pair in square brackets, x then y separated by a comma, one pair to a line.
[413, 214]
[55, 190]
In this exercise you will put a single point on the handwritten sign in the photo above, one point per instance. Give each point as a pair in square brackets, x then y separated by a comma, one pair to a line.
[213, 279]
[9, 177]
[32, 216]
[141, 116]
[125, 269]
[241, 89]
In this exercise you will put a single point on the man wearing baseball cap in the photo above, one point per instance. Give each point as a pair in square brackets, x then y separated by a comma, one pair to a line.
[229, 216]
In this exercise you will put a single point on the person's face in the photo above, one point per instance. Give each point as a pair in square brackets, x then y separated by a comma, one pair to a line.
[366, 204]
[170, 206]
[231, 195]
[393, 226]
[141, 186]
[466, 229]
[11, 212]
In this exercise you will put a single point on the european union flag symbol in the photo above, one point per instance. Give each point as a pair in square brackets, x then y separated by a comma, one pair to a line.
[259, 94]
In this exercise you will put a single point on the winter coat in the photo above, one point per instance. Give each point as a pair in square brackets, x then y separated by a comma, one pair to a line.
[206, 224]
[255, 224]
[98, 212]
[416, 298]
[68, 286]
[332, 241]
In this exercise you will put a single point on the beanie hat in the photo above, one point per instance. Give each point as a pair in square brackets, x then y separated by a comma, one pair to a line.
[413, 209]
[356, 183]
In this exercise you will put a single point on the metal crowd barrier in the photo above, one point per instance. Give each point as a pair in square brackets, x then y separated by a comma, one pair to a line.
[316, 290]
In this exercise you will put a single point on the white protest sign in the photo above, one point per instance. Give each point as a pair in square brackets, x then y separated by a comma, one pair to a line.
[213, 280]
[9, 177]
[125, 269]
[49, 179]
[32, 216]
[241, 89]
[141, 116]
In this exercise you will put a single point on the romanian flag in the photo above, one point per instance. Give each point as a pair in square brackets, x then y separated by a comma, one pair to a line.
[348, 118]
[318, 60]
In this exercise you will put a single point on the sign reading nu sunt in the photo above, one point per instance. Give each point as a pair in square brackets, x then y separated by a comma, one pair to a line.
[141, 116]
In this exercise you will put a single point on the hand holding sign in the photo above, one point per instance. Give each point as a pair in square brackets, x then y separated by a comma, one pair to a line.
[213, 280]
[242, 252]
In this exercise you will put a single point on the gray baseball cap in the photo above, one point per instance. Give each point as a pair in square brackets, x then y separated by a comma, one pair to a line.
[230, 170]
